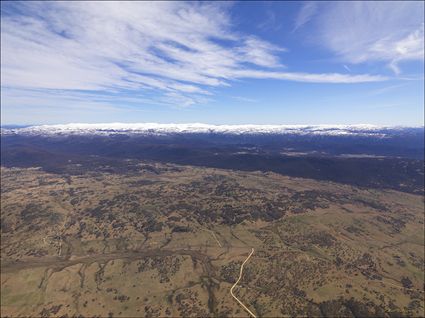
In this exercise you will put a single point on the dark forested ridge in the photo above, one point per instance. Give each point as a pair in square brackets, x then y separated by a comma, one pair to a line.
[395, 162]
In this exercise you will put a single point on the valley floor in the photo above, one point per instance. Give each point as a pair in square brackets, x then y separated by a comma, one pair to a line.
[169, 240]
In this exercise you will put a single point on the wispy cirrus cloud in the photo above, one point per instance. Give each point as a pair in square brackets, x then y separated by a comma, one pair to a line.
[386, 89]
[370, 31]
[271, 22]
[178, 50]
[244, 99]
[307, 11]
[309, 77]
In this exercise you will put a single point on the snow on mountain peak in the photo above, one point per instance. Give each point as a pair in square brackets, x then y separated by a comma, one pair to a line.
[197, 128]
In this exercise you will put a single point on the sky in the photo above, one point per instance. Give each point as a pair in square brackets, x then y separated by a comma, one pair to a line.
[213, 62]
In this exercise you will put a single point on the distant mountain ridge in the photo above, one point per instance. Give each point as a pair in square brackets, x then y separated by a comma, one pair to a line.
[198, 128]
[362, 155]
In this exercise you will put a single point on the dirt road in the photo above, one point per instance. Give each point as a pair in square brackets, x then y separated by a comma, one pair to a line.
[234, 285]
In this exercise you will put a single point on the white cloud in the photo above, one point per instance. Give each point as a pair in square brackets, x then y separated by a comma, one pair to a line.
[386, 89]
[308, 10]
[363, 31]
[260, 53]
[244, 99]
[311, 78]
[271, 22]
[177, 49]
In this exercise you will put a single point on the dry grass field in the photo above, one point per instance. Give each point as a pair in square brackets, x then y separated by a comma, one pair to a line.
[169, 240]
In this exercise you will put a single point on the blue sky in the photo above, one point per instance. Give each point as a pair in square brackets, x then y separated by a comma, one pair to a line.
[213, 62]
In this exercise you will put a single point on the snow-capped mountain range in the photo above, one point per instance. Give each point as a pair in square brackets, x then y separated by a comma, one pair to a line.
[198, 128]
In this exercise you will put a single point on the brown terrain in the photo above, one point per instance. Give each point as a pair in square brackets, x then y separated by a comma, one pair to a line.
[169, 240]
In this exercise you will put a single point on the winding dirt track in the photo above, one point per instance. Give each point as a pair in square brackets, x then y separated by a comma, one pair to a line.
[215, 237]
[234, 285]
